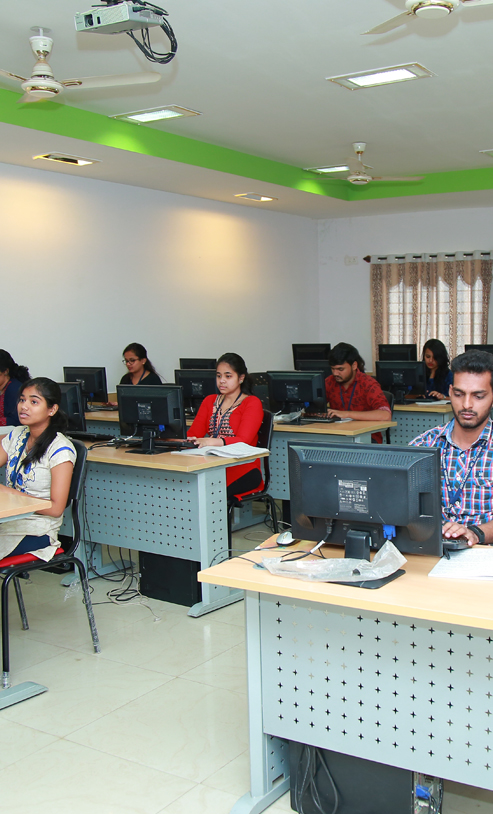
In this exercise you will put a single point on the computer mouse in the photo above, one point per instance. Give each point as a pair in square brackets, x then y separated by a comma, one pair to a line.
[285, 538]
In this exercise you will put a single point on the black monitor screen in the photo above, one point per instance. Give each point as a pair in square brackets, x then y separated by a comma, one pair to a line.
[290, 391]
[72, 404]
[402, 378]
[196, 385]
[397, 353]
[349, 488]
[310, 351]
[487, 348]
[151, 412]
[92, 380]
[198, 364]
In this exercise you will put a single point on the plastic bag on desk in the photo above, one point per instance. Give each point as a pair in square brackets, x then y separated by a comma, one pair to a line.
[386, 561]
[287, 418]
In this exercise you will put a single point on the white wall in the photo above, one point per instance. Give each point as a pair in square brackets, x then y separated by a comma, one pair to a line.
[345, 289]
[89, 266]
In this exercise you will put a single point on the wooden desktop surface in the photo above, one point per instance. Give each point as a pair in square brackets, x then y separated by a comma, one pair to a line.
[425, 408]
[164, 460]
[349, 428]
[14, 503]
[415, 595]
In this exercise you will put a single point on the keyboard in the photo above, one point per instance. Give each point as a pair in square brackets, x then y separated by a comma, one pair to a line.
[102, 408]
[161, 445]
[454, 544]
[320, 420]
[78, 435]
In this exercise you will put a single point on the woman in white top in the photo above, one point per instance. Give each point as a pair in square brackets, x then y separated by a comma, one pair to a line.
[40, 462]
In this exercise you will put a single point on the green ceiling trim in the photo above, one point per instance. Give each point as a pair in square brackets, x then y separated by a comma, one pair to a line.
[68, 121]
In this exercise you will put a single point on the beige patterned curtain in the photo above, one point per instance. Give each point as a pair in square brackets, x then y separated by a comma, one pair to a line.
[420, 297]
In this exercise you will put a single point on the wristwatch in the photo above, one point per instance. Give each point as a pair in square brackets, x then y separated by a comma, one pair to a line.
[478, 532]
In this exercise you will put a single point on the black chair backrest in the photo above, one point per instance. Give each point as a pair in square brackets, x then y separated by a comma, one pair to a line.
[76, 486]
[265, 440]
[390, 398]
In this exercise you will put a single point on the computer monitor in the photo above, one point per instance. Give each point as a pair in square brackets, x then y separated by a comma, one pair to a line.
[196, 385]
[290, 391]
[72, 404]
[310, 352]
[397, 353]
[486, 348]
[198, 364]
[314, 365]
[260, 388]
[93, 382]
[402, 379]
[152, 412]
[349, 491]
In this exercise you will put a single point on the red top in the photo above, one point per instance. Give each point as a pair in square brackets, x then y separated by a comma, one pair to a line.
[242, 423]
[363, 394]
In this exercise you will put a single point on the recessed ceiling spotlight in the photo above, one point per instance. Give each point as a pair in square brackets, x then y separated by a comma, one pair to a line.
[254, 196]
[155, 114]
[382, 76]
[324, 170]
[74, 160]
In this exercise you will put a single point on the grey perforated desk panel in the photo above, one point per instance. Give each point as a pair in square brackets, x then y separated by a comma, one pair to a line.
[162, 504]
[412, 420]
[402, 675]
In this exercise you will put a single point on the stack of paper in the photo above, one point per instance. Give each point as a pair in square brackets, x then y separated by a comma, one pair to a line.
[238, 450]
[470, 563]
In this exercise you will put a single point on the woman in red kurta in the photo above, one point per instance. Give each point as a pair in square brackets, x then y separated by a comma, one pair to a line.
[232, 416]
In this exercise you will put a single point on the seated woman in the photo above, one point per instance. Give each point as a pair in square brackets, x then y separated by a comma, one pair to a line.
[232, 416]
[40, 462]
[439, 377]
[12, 376]
[140, 368]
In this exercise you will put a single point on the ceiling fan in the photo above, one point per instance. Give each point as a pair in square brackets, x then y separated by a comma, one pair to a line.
[358, 171]
[43, 85]
[425, 10]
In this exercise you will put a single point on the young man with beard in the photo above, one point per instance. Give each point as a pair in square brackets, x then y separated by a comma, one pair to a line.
[466, 449]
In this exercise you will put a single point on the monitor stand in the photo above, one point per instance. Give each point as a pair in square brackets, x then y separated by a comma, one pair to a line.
[148, 445]
[357, 547]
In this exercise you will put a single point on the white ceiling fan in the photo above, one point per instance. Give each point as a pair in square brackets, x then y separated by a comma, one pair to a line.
[43, 85]
[425, 10]
[358, 174]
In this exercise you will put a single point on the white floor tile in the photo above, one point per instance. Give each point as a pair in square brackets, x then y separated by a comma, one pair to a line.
[184, 728]
[19, 742]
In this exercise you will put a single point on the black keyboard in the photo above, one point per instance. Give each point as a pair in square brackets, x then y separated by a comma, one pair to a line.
[78, 435]
[320, 420]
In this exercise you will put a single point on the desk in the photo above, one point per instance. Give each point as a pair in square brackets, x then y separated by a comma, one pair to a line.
[413, 419]
[163, 504]
[402, 675]
[351, 431]
[106, 422]
[14, 505]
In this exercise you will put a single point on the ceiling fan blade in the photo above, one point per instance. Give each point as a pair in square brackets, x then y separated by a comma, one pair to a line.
[395, 178]
[116, 80]
[29, 98]
[395, 22]
[13, 76]
[467, 3]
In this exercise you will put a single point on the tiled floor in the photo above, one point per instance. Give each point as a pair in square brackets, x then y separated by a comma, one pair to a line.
[157, 722]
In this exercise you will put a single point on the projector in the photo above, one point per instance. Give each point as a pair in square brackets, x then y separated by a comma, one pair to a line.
[116, 18]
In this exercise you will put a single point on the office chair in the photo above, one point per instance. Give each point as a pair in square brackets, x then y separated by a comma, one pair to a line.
[390, 398]
[12, 566]
[264, 440]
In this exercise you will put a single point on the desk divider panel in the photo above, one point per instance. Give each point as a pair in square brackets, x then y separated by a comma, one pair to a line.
[412, 694]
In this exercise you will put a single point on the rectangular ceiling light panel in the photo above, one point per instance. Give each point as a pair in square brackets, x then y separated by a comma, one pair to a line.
[382, 76]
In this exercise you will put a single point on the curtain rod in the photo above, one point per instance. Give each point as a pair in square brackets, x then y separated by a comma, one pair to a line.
[445, 255]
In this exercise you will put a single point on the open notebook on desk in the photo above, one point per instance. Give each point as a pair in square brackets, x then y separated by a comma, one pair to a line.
[239, 450]
[470, 563]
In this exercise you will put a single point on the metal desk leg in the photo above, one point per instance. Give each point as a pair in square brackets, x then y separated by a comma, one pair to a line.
[269, 756]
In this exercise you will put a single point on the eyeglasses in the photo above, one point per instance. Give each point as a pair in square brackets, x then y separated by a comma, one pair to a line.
[129, 361]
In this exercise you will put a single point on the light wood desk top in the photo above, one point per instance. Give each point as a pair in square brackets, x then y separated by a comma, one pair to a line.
[349, 428]
[103, 415]
[425, 408]
[415, 595]
[164, 460]
[14, 503]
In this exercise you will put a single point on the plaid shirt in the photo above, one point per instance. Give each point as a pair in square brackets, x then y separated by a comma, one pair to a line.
[469, 473]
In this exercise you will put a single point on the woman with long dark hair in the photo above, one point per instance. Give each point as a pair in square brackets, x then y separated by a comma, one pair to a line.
[140, 369]
[232, 416]
[12, 376]
[438, 374]
[40, 462]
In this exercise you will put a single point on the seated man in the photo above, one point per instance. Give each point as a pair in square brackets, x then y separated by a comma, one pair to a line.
[351, 393]
[466, 445]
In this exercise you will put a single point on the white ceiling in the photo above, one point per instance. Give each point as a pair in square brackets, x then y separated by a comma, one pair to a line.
[257, 73]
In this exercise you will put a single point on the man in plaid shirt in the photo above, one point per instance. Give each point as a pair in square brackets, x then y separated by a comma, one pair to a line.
[466, 445]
